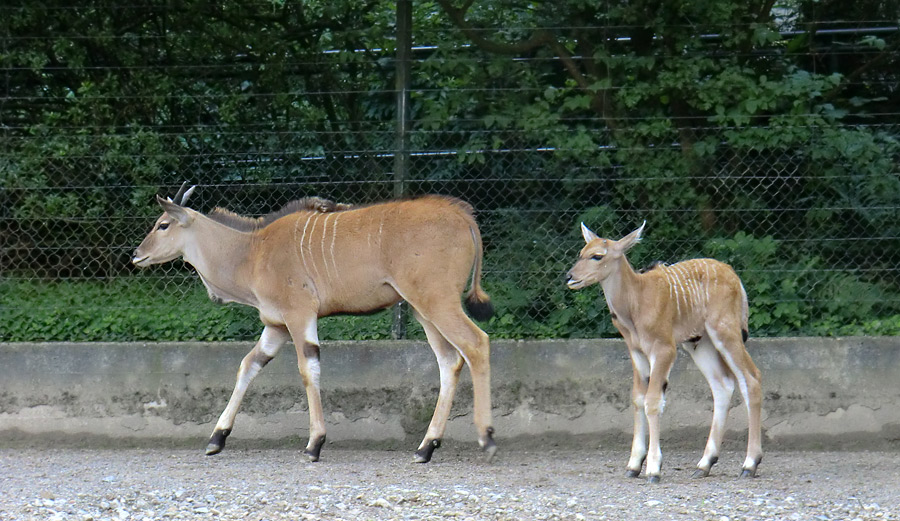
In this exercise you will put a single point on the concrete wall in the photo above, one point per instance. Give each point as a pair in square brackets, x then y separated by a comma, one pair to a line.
[819, 393]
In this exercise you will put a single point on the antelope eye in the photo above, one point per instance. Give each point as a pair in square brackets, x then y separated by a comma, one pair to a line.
[163, 226]
[597, 257]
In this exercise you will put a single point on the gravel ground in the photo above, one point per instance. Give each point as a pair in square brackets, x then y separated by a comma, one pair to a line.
[351, 484]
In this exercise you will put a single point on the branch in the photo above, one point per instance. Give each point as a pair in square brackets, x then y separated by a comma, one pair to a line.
[886, 53]
[539, 38]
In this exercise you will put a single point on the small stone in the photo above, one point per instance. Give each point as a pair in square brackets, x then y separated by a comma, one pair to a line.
[381, 502]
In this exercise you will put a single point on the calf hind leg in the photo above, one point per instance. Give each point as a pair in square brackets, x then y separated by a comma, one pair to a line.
[271, 340]
[730, 345]
[721, 384]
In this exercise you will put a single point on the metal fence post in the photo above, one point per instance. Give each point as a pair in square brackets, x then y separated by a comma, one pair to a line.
[401, 138]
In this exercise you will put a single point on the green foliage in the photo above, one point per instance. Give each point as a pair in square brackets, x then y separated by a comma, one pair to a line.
[143, 309]
[732, 141]
[791, 294]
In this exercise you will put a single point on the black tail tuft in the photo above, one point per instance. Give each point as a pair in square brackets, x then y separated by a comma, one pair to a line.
[479, 309]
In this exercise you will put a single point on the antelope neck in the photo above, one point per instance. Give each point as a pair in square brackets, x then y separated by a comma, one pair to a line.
[221, 257]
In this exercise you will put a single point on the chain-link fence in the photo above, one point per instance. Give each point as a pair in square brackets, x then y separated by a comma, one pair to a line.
[802, 201]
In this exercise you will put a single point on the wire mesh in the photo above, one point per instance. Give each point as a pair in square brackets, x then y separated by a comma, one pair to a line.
[88, 139]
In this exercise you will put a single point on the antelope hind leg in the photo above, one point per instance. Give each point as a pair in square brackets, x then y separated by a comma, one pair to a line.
[271, 340]
[304, 331]
[450, 364]
[474, 346]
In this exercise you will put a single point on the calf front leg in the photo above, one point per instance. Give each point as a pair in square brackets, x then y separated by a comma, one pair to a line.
[662, 358]
[271, 340]
[641, 373]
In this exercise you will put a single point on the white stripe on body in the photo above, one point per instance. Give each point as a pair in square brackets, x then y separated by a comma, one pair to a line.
[324, 258]
[706, 282]
[302, 238]
[333, 239]
[673, 285]
[682, 289]
[312, 258]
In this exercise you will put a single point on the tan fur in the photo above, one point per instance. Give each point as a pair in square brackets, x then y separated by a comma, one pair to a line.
[700, 302]
[323, 259]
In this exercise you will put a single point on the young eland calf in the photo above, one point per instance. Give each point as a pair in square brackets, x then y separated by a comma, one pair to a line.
[313, 259]
[699, 303]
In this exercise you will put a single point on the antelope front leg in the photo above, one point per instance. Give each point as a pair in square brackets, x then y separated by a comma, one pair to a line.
[306, 340]
[271, 340]
[661, 361]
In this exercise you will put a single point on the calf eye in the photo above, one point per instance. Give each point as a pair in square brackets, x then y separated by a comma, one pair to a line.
[597, 257]
[163, 226]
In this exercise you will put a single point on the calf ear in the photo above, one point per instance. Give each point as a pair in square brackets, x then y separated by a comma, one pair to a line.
[587, 234]
[625, 243]
[179, 213]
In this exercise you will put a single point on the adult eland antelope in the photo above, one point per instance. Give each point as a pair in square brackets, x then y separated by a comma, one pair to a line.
[699, 303]
[314, 258]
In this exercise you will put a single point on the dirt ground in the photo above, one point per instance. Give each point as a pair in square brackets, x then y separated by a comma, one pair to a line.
[352, 483]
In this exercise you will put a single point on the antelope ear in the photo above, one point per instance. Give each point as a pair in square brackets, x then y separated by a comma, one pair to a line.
[587, 234]
[632, 238]
[179, 213]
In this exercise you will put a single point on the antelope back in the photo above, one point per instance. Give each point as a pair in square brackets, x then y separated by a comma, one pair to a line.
[362, 259]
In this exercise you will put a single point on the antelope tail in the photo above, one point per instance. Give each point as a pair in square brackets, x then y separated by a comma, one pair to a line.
[745, 315]
[478, 303]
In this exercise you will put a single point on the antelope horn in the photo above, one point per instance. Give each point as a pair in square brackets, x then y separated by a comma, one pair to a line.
[187, 194]
[179, 195]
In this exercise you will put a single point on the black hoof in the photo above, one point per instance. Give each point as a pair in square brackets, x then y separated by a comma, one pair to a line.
[653, 479]
[700, 473]
[313, 452]
[423, 455]
[751, 472]
[217, 441]
[490, 448]
[632, 473]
